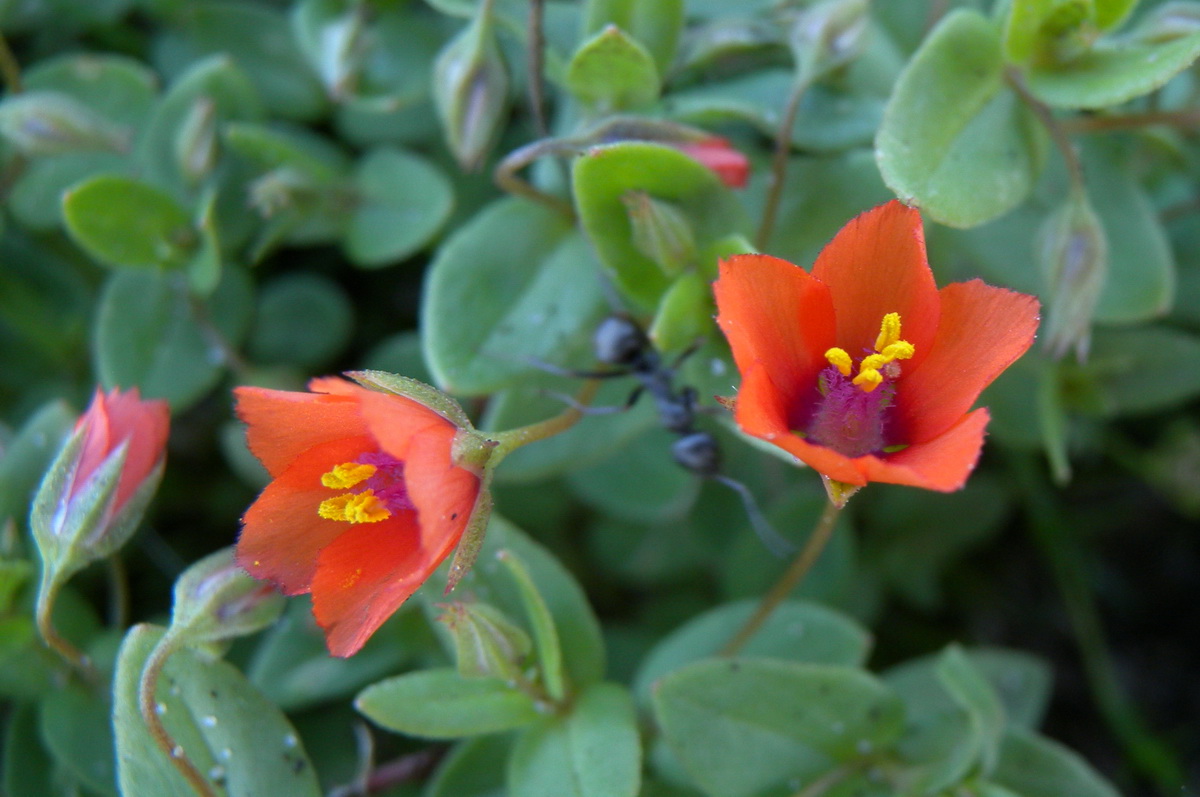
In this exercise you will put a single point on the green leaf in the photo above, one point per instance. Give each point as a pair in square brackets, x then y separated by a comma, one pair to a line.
[684, 315]
[293, 148]
[1112, 72]
[515, 283]
[795, 631]
[441, 704]
[1034, 766]
[302, 319]
[403, 201]
[228, 730]
[954, 140]
[76, 729]
[613, 72]
[258, 39]
[742, 726]
[128, 224]
[27, 456]
[656, 24]
[604, 175]
[1110, 13]
[119, 88]
[28, 768]
[593, 751]
[576, 625]
[1142, 370]
[971, 690]
[146, 334]
[640, 482]
[1023, 27]
[473, 768]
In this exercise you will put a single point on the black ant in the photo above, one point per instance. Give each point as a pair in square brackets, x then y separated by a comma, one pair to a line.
[620, 342]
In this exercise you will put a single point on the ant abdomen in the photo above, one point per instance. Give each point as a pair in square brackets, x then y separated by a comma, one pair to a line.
[699, 453]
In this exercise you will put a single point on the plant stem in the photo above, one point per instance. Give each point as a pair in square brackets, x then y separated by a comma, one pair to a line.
[783, 146]
[56, 642]
[1052, 534]
[537, 43]
[147, 690]
[515, 438]
[505, 175]
[118, 585]
[788, 581]
[9, 68]
[1187, 117]
[1056, 129]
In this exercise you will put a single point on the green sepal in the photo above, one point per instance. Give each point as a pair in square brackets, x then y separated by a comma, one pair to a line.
[216, 600]
[472, 538]
[545, 633]
[416, 390]
[684, 314]
[486, 643]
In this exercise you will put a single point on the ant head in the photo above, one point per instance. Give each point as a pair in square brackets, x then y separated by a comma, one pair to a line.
[698, 452]
[619, 341]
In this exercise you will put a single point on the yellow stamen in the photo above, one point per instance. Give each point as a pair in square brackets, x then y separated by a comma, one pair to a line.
[868, 379]
[361, 507]
[839, 359]
[346, 475]
[900, 350]
[872, 362]
[889, 331]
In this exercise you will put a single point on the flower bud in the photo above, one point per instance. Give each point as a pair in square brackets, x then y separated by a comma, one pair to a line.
[94, 495]
[51, 123]
[828, 35]
[196, 141]
[470, 90]
[342, 44]
[216, 600]
[1074, 254]
[486, 643]
[726, 162]
[660, 232]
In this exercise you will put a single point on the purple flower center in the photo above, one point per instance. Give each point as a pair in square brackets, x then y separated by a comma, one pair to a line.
[848, 419]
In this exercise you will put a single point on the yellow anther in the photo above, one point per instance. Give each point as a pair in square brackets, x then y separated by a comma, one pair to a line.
[346, 475]
[889, 331]
[361, 507]
[900, 350]
[872, 362]
[868, 379]
[839, 359]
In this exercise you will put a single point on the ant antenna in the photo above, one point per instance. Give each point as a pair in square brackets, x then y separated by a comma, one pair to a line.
[771, 538]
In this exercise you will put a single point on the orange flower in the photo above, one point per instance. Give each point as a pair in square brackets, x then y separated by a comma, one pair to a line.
[864, 369]
[366, 500]
[110, 421]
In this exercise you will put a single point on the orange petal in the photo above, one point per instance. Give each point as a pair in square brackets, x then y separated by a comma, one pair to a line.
[443, 493]
[877, 265]
[761, 415]
[283, 424]
[363, 576]
[281, 531]
[395, 421]
[982, 331]
[774, 313]
[943, 463]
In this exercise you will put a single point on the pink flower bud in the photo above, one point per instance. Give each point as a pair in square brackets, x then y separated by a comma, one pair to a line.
[112, 420]
[726, 162]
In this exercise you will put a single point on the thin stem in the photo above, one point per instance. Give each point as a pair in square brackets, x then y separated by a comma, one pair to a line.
[147, 690]
[214, 337]
[515, 438]
[1148, 754]
[537, 45]
[55, 641]
[506, 177]
[783, 146]
[1055, 128]
[118, 591]
[788, 581]
[1188, 117]
[9, 68]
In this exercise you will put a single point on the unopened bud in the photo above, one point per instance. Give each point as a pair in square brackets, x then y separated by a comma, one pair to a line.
[730, 165]
[829, 35]
[283, 189]
[196, 140]
[216, 600]
[1074, 255]
[660, 232]
[341, 44]
[486, 643]
[470, 90]
[51, 123]
[684, 314]
[1168, 22]
[94, 495]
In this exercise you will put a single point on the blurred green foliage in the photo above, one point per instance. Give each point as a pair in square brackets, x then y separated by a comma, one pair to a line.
[205, 193]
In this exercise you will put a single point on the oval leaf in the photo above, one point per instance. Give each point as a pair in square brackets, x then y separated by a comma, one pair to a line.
[441, 704]
[127, 224]
[612, 71]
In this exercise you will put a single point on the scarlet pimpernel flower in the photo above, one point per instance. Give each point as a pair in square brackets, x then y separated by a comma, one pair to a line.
[863, 369]
[371, 490]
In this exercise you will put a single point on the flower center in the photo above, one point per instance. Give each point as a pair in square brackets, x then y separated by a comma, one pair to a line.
[375, 489]
[850, 417]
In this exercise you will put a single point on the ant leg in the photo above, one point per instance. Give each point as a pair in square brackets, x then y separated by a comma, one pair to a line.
[585, 409]
[688, 352]
[771, 538]
[558, 370]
